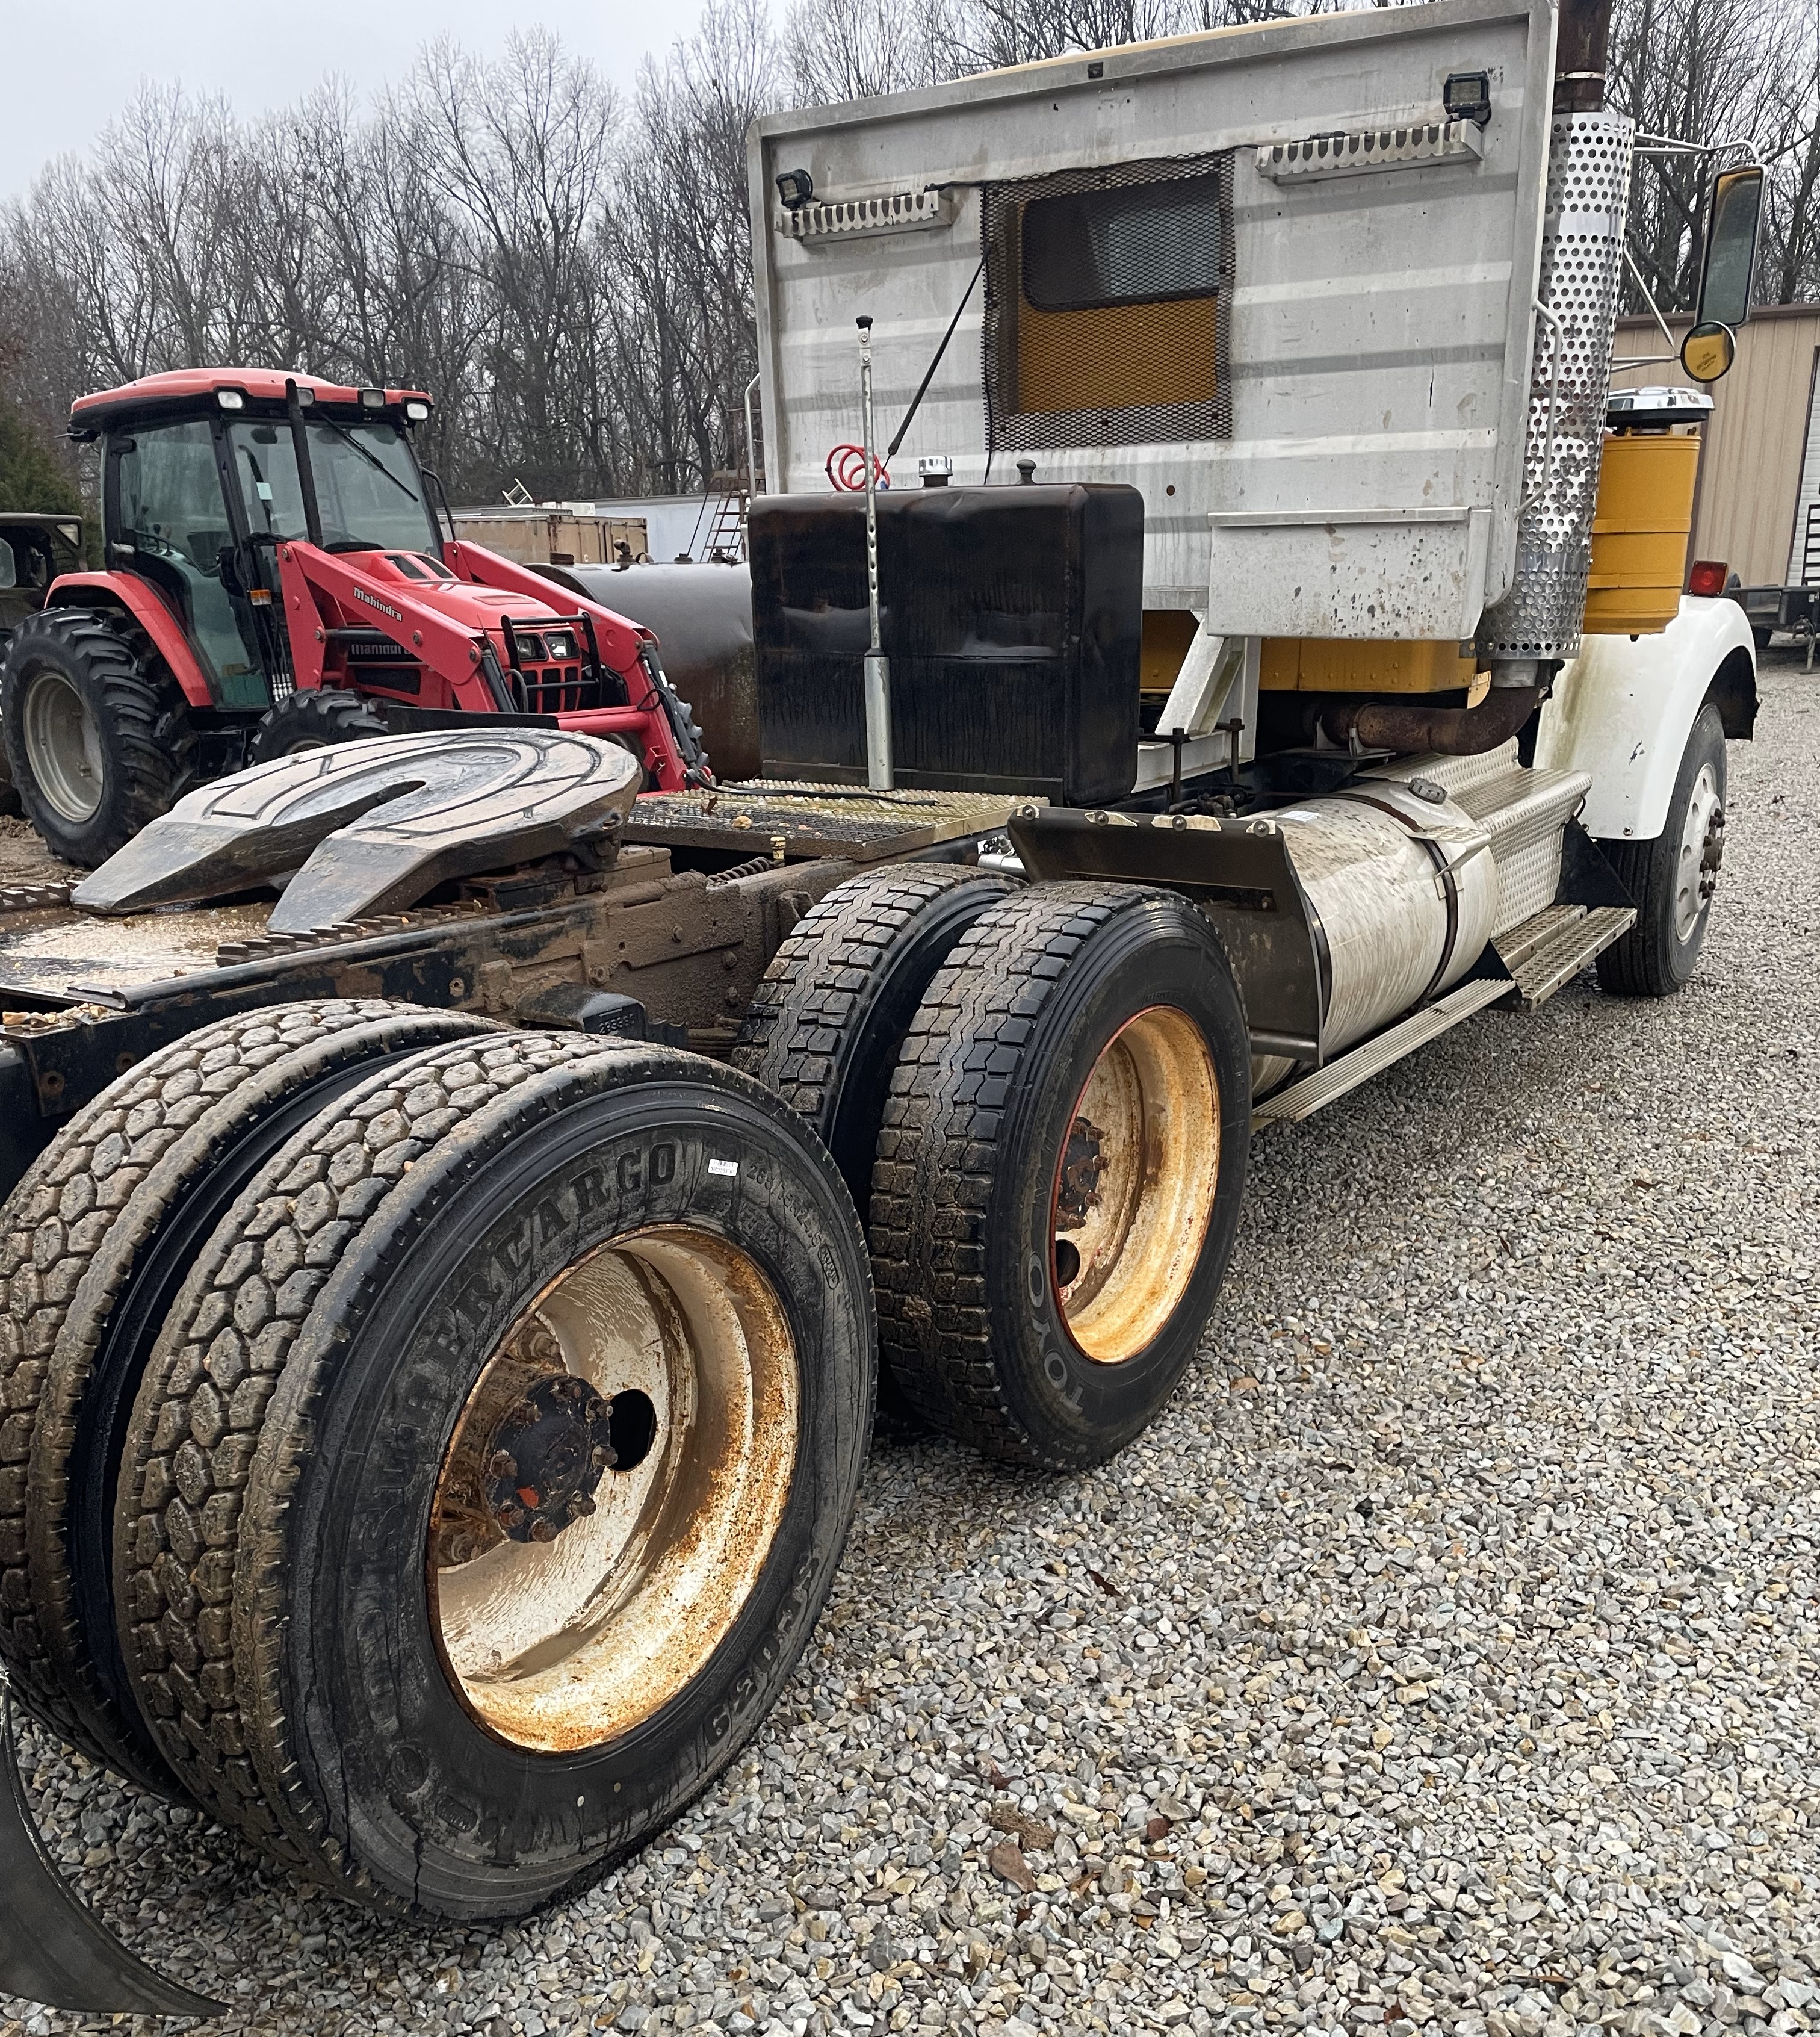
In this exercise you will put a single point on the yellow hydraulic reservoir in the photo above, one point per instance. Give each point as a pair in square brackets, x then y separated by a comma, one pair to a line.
[1644, 513]
[1337, 665]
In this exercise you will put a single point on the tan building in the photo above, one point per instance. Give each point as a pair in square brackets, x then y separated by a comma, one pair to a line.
[1758, 503]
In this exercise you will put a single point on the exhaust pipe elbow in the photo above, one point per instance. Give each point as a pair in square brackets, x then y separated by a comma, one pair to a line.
[1407, 727]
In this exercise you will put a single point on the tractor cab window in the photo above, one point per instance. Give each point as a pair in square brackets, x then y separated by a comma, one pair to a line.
[368, 489]
[171, 510]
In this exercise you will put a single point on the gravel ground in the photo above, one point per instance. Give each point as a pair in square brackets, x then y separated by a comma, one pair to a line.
[24, 860]
[1440, 1662]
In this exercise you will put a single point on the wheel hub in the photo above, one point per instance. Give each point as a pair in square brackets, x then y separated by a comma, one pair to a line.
[1702, 849]
[612, 1488]
[1083, 1163]
[547, 1457]
[1135, 1184]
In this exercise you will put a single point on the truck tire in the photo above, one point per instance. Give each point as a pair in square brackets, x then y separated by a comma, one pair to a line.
[824, 1023]
[1060, 1171]
[312, 719]
[503, 1295]
[1672, 879]
[98, 737]
[94, 1244]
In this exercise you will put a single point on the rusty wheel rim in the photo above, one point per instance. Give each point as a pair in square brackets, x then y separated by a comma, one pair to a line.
[612, 1489]
[1135, 1184]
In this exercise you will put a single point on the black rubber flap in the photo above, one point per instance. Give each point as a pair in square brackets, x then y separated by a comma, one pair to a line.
[375, 825]
[52, 1949]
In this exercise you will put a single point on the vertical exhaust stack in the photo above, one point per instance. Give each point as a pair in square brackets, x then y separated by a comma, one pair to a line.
[1537, 624]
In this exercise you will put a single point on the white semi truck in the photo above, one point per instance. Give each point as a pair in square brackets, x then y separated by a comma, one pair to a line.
[444, 1308]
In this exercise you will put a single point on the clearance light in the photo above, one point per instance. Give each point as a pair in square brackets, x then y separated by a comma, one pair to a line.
[1709, 576]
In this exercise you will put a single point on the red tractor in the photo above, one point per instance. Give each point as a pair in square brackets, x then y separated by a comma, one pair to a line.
[277, 577]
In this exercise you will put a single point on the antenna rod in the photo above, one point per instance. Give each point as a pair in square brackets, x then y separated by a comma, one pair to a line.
[878, 775]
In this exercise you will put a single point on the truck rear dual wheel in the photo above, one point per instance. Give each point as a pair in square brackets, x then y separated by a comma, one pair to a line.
[825, 1025]
[1673, 878]
[97, 734]
[1060, 1170]
[493, 1465]
[95, 1243]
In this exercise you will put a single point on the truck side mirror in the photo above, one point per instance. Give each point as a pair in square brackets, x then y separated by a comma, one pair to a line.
[1729, 253]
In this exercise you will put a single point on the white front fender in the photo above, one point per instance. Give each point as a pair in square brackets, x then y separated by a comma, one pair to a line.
[1623, 709]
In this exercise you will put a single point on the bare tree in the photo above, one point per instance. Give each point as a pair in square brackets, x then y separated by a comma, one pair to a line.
[569, 275]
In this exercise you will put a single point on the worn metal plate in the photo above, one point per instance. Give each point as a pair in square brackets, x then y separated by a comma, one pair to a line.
[1238, 872]
[809, 820]
[375, 825]
[51, 1950]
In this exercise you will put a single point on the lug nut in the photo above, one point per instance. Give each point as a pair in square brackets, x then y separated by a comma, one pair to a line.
[502, 1464]
[542, 1531]
[580, 1507]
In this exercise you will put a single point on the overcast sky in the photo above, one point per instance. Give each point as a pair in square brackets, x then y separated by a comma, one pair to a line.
[67, 75]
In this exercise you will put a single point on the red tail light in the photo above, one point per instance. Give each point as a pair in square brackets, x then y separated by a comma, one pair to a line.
[1709, 576]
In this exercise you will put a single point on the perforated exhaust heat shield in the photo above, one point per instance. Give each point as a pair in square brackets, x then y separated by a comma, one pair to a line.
[1582, 254]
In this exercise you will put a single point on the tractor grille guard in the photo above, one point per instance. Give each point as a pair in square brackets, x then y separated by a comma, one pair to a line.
[543, 681]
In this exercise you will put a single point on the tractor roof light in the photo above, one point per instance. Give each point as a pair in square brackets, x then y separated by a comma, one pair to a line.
[796, 188]
[372, 399]
[306, 395]
[417, 411]
[231, 400]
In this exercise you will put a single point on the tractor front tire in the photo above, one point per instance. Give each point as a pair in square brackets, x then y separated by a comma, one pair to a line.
[312, 719]
[98, 737]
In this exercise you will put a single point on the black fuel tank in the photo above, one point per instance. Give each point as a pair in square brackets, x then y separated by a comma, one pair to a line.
[1012, 617]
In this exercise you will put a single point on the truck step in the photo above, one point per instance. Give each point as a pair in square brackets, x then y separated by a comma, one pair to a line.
[1304, 1097]
[1552, 946]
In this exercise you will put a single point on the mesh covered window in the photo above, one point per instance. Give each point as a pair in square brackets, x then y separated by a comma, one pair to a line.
[1135, 244]
[1106, 308]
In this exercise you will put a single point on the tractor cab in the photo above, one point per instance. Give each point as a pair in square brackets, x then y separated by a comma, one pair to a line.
[204, 472]
[275, 576]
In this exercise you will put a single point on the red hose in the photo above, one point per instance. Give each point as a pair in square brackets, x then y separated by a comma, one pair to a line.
[846, 468]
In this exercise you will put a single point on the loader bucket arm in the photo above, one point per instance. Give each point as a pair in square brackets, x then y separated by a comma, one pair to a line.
[463, 657]
[52, 1949]
[631, 650]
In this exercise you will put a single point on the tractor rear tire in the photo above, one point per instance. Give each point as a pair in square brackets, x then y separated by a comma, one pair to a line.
[312, 719]
[1672, 877]
[98, 736]
[487, 1277]
[94, 1242]
[1060, 1170]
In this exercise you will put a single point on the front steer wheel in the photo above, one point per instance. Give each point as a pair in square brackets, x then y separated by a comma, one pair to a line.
[493, 1466]
[98, 737]
[1673, 878]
